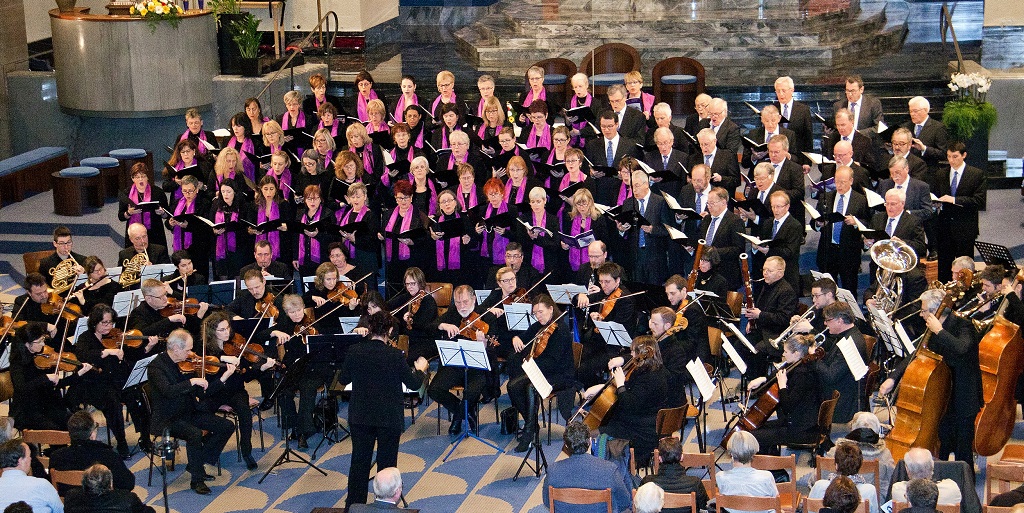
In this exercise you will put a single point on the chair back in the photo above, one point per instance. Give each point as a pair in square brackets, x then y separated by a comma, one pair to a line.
[670, 420]
[66, 478]
[443, 297]
[41, 437]
[31, 261]
[941, 508]
[1012, 453]
[577, 354]
[825, 464]
[999, 478]
[825, 413]
[813, 505]
[611, 58]
[558, 66]
[787, 491]
[677, 500]
[680, 97]
[735, 301]
[715, 341]
[579, 496]
[747, 503]
[707, 461]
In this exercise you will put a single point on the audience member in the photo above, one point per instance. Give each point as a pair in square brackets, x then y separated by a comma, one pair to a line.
[920, 465]
[841, 496]
[672, 477]
[848, 462]
[649, 498]
[583, 470]
[923, 495]
[17, 485]
[742, 478]
[85, 451]
[865, 431]
[98, 495]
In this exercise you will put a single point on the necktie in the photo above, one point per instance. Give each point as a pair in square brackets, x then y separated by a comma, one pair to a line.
[853, 110]
[643, 210]
[664, 162]
[710, 237]
[775, 228]
[953, 184]
[610, 154]
[888, 227]
[707, 160]
[767, 137]
[698, 205]
[898, 187]
[714, 128]
[760, 196]
[837, 228]
[917, 130]
[785, 113]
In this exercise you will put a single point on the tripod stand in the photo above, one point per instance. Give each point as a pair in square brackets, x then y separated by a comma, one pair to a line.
[289, 381]
[540, 461]
[451, 352]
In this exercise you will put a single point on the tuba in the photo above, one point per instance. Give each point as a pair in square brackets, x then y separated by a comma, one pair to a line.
[893, 258]
[131, 273]
[64, 274]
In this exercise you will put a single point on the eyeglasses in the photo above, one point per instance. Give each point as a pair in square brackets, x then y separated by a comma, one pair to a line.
[573, 161]
[513, 256]
[507, 280]
[402, 198]
[222, 330]
[561, 140]
[411, 283]
[63, 243]
[320, 139]
[445, 86]
[106, 322]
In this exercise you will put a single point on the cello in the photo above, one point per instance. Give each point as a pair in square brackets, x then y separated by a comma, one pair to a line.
[924, 390]
[1001, 356]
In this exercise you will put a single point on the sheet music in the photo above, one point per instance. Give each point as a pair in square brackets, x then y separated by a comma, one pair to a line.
[613, 333]
[519, 316]
[817, 276]
[873, 198]
[481, 295]
[701, 379]
[140, 373]
[563, 294]
[405, 389]
[846, 296]
[123, 301]
[853, 359]
[80, 327]
[348, 323]
[540, 383]
[812, 211]
[157, 271]
[733, 355]
[674, 233]
[739, 334]
[902, 333]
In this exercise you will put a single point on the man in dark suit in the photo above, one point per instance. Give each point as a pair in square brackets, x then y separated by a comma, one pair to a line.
[62, 245]
[584, 470]
[788, 175]
[840, 245]
[663, 119]
[774, 305]
[918, 193]
[901, 147]
[195, 132]
[929, 136]
[265, 263]
[387, 491]
[799, 116]
[631, 123]
[139, 237]
[865, 110]
[764, 186]
[666, 157]
[727, 133]
[693, 195]
[721, 229]
[85, 450]
[832, 368]
[843, 154]
[693, 121]
[725, 171]
[526, 274]
[175, 409]
[962, 191]
[648, 244]
[761, 135]
[863, 149]
[898, 223]
[611, 142]
[786, 233]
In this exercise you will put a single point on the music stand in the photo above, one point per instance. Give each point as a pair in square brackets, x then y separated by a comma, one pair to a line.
[706, 387]
[140, 373]
[468, 354]
[123, 301]
[541, 390]
[221, 292]
[614, 334]
[289, 381]
[330, 350]
[994, 254]
[348, 323]
[519, 316]
[563, 294]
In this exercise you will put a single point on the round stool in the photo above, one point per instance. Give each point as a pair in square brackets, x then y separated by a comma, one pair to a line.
[110, 170]
[127, 158]
[678, 79]
[607, 79]
[555, 79]
[74, 186]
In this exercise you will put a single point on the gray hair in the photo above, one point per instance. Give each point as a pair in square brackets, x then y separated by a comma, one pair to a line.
[662, 108]
[964, 262]
[719, 103]
[785, 82]
[178, 339]
[617, 89]
[649, 498]
[664, 134]
[743, 446]
[930, 300]
[918, 460]
[97, 480]
[899, 163]
[460, 136]
[387, 483]
[922, 493]
[919, 100]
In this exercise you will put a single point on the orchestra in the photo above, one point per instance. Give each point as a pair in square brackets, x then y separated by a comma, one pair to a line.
[384, 221]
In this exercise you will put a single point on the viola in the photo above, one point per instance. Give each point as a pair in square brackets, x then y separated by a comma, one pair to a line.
[191, 364]
[47, 359]
[252, 352]
[266, 307]
[414, 307]
[541, 342]
[305, 327]
[175, 307]
[55, 304]
[131, 338]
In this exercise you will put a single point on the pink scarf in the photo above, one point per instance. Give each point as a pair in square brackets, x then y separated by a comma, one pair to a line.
[314, 244]
[452, 263]
[432, 204]
[539, 140]
[381, 127]
[273, 236]
[400, 108]
[497, 251]
[530, 97]
[461, 195]
[624, 193]
[520, 191]
[452, 160]
[437, 101]
[300, 121]
[419, 137]
[361, 105]
[345, 217]
[480, 108]
[580, 224]
[403, 250]
[567, 181]
[334, 128]
[366, 153]
[183, 238]
[248, 166]
[202, 137]
[226, 240]
[133, 195]
[283, 181]
[537, 255]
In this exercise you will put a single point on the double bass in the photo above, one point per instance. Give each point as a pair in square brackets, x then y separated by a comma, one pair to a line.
[924, 390]
[1001, 356]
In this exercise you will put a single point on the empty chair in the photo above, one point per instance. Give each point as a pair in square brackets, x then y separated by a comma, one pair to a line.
[608, 64]
[677, 81]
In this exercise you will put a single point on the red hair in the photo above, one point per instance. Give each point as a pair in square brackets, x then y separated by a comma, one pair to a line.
[404, 187]
[494, 185]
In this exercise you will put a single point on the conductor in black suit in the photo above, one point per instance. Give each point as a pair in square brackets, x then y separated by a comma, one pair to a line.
[962, 191]
[727, 133]
[377, 371]
[648, 244]
[798, 114]
[761, 135]
[840, 245]
[62, 245]
[139, 238]
[725, 170]
[721, 230]
[666, 157]
[175, 408]
[786, 233]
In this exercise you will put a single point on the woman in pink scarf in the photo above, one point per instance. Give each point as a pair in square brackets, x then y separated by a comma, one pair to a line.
[376, 111]
[518, 184]
[451, 252]
[541, 247]
[293, 117]
[359, 142]
[195, 133]
[254, 113]
[270, 205]
[446, 94]
[227, 243]
[312, 243]
[539, 135]
[185, 234]
[361, 246]
[329, 122]
[424, 195]
[492, 247]
[582, 217]
[440, 138]
[241, 141]
[408, 98]
[365, 94]
[635, 97]
[581, 98]
[227, 167]
[402, 252]
[141, 192]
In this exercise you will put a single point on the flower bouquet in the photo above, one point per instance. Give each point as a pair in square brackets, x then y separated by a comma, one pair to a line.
[969, 112]
[155, 11]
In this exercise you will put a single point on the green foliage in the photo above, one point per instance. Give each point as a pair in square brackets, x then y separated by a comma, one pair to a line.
[245, 31]
[965, 116]
[218, 7]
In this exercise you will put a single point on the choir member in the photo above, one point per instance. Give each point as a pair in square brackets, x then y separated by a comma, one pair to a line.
[419, 132]
[226, 208]
[452, 253]
[539, 134]
[446, 94]
[191, 235]
[361, 246]
[312, 103]
[635, 97]
[407, 99]
[313, 170]
[312, 242]
[400, 251]
[142, 191]
[581, 218]
[376, 111]
[540, 242]
[424, 194]
[227, 167]
[242, 141]
[364, 95]
[786, 233]
[268, 206]
[332, 123]
[294, 116]
[255, 119]
[184, 156]
[581, 97]
[195, 133]
[360, 143]
[485, 85]
[492, 247]
[449, 113]
[494, 119]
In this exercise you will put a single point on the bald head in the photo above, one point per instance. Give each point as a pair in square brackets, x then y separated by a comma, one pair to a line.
[843, 153]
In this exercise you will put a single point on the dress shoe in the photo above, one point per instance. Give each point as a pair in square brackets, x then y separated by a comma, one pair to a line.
[455, 428]
[524, 442]
[200, 488]
[209, 477]
[123, 451]
[266, 404]
[249, 462]
[303, 444]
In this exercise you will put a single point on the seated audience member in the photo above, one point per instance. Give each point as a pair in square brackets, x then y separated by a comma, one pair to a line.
[923, 495]
[649, 498]
[85, 451]
[848, 462]
[17, 484]
[584, 470]
[672, 476]
[98, 495]
[387, 491]
[18, 507]
[920, 466]
[7, 433]
[841, 496]
[864, 431]
[742, 478]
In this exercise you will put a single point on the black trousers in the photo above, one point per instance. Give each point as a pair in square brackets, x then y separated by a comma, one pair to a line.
[776, 432]
[523, 397]
[239, 402]
[448, 377]
[300, 420]
[199, 448]
[840, 266]
[108, 401]
[956, 436]
[364, 437]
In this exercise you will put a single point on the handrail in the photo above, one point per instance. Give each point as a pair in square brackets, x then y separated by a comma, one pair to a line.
[946, 20]
[298, 48]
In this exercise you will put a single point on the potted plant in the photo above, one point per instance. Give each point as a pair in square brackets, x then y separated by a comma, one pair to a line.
[225, 12]
[970, 118]
[245, 32]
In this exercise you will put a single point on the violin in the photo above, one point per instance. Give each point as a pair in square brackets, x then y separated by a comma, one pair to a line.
[541, 342]
[475, 322]
[47, 359]
[56, 304]
[191, 364]
[266, 307]
[131, 338]
[305, 327]
[341, 293]
[175, 307]
[414, 307]
[251, 352]
[609, 303]
[517, 296]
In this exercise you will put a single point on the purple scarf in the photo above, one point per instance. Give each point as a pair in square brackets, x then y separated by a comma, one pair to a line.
[520, 191]
[133, 195]
[300, 121]
[361, 105]
[451, 160]
[403, 250]
[345, 217]
[497, 251]
[202, 137]
[314, 245]
[226, 240]
[580, 224]
[400, 107]
[248, 166]
[273, 236]
[366, 153]
[334, 128]
[539, 140]
[437, 101]
[530, 97]
[460, 197]
[432, 204]
[283, 181]
[624, 193]
[182, 238]
[577, 140]
[451, 263]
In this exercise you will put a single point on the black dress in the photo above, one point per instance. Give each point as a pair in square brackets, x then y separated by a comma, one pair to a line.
[635, 411]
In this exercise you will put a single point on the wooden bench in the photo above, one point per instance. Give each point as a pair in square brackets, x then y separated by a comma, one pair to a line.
[30, 171]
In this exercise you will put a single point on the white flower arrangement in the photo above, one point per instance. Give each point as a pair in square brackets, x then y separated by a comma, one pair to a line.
[973, 85]
[155, 11]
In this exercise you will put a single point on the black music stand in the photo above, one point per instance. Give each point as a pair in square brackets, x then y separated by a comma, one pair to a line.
[994, 254]
[330, 351]
[288, 382]
[540, 461]
[466, 354]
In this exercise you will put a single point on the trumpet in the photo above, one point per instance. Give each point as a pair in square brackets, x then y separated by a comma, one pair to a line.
[807, 316]
[819, 339]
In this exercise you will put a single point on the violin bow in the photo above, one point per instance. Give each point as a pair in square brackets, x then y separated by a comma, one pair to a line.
[15, 318]
[541, 280]
[411, 300]
[184, 295]
[307, 327]
[535, 337]
[618, 298]
[124, 332]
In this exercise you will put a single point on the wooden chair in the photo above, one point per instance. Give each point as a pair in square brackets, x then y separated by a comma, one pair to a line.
[825, 413]
[735, 301]
[941, 508]
[670, 420]
[148, 405]
[788, 495]
[678, 500]
[68, 478]
[677, 81]
[557, 73]
[826, 464]
[1000, 478]
[994, 509]
[1012, 453]
[48, 437]
[747, 503]
[578, 496]
[31, 261]
[607, 64]
[442, 297]
[813, 505]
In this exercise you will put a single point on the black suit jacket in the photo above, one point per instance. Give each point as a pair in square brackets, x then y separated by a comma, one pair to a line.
[676, 160]
[786, 244]
[791, 180]
[658, 214]
[51, 261]
[777, 302]
[918, 194]
[918, 168]
[82, 454]
[800, 124]
[958, 343]
[863, 151]
[377, 372]
[679, 140]
[728, 135]
[850, 243]
[835, 373]
[729, 244]
[933, 135]
[172, 395]
[157, 254]
[971, 195]
[724, 164]
[634, 123]
[757, 135]
[908, 229]
[692, 124]
[596, 149]
[687, 198]
[870, 111]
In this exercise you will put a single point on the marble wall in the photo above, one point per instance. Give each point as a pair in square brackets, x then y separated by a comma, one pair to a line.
[13, 52]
